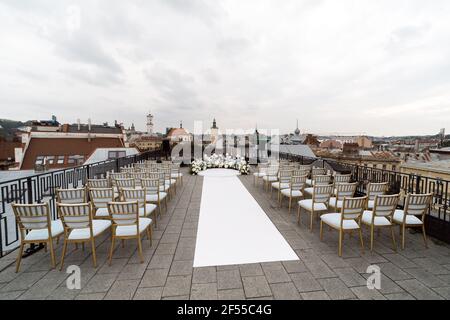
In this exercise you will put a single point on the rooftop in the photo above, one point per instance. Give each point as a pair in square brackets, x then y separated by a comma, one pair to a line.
[168, 272]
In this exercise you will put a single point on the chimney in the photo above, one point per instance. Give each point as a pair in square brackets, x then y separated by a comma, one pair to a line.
[89, 130]
[78, 124]
[65, 127]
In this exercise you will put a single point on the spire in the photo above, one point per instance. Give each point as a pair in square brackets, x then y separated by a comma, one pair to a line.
[297, 130]
[214, 126]
[181, 124]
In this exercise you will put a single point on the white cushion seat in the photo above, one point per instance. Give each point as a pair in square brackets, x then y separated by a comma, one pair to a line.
[154, 197]
[295, 193]
[259, 174]
[176, 175]
[371, 204]
[149, 208]
[102, 212]
[164, 188]
[308, 205]
[333, 203]
[410, 219]
[334, 220]
[270, 178]
[98, 226]
[170, 182]
[379, 221]
[128, 231]
[309, 191]
[42, 234]
[309, 182]
[279, 185]
[116, 194]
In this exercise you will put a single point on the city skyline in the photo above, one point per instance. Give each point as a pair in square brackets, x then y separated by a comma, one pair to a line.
[296, 59]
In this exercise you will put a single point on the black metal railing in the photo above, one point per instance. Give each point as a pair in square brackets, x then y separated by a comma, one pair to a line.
[42, 187]
[437, 222]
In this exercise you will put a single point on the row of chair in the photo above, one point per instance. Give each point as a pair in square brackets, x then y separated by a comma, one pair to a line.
[128, 210]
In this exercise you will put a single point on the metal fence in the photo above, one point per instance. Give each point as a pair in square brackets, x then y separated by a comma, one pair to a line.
[42, 187]
[437, 222]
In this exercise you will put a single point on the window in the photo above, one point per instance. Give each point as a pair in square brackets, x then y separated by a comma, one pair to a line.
[394, 167]
[384, 167]
[116, 154]
[76, 160]
[39, 160]
[50, 159]
[60, 160]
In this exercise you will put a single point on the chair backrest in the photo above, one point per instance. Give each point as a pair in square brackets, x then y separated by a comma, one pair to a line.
[272, 171]
[322, 180]
[345, 190]
[125, 183]
[385, 205]
[151, 185]
[98, 183]
[124, 213]
[101, 196]
[75, 216]
[129, 170]
[137, 176]
[115, 175]
[322, 193]
[71, 195]
[300, 172]
[285, 176]
[318, 172]
[417, 204]
[376, 189]
[352, 208]
[298, 182]
[32, 216]
[342, 178]
[306, 167]
[133, 194]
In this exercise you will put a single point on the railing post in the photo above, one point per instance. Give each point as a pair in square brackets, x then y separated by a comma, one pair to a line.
[29, 191]
[418, 179]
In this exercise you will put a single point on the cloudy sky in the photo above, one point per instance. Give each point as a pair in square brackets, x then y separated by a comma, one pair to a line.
[363, 66]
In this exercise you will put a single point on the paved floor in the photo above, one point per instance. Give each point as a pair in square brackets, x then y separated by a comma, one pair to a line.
[415, 273]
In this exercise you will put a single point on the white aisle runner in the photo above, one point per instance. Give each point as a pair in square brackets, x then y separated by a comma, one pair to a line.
[233, 229]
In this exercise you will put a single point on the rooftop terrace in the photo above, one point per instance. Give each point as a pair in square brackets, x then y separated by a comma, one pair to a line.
[168, 272]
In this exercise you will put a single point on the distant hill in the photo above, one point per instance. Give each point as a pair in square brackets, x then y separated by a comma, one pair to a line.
[8, 127]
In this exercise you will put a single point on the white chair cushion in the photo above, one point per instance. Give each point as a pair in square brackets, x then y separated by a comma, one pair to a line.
[410, 219]
[259, 174]
[42, 234]
[127, 231]
[164, 188]
[309, 182]
[334, 220]
[309, 191]
[154, 197]
[176, 175]
[379, 221]
[295, 193]
[370, 204]
[333, 203]
[270, 178]
[102, 212]
[307, 204]
[98, 226]
[149, 208]
[278, 185]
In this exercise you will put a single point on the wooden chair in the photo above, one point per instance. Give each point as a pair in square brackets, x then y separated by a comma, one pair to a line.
[153, 193]
[284, 179]
[318, 202]
[127, 224]
[373, 190]
[295, 190]
[71, 195]
[319, 180]
[348, 220]
[36, 227]
[413, 216]
[343, 190]
[100, 197]
[79, 227]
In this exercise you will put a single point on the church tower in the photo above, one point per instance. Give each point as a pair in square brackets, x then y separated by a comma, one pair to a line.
[214, 132]
[150, 124]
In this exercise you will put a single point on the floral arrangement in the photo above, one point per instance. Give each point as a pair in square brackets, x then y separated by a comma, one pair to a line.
[220, 161]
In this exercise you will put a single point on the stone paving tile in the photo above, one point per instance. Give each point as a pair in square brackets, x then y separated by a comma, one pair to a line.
[275, 273]
[336, 289]
[204, 275]
[23, 282]
[431, 265]
[294, 266]
[181, 268]
[154, 278]
[229, 279]
[305, 282]
[444, 292]
[418, 290]
[154, 293]
[12, 295]
[91, 296]
[160, 262]
[132, 271]
[204, 291]
[315, 295]
[285, 291]
[122, 290]
[100, 283]
[231, 294]
[350, 277]
[177, 286]
[400, 261]
[364, 293]
[426, 278]
[394, 272]
[253, 269]
[255, 287]
[399, 296]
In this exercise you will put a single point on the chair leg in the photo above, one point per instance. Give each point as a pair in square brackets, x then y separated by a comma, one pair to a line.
[52, 253]
[311, 221]
[340, 243]
[298, 215]
[403, 237]
[290, 204]
[113, 240]
[361, 240]
[321, 230]
[394, 245]
[371, 237]
[94, 255]
[424, 236]
[140, 248]
[63, 255]
[19, 257]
